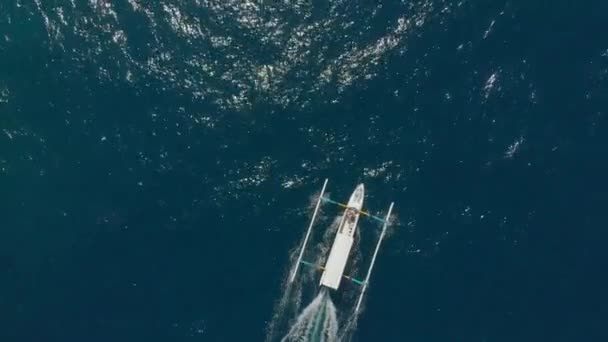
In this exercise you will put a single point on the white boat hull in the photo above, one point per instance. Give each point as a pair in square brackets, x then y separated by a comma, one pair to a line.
[343, 242]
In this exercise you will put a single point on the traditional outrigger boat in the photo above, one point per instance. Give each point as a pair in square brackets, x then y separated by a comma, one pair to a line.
[333, 271]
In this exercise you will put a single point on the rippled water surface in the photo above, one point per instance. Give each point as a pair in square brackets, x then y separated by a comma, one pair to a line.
[158, 160]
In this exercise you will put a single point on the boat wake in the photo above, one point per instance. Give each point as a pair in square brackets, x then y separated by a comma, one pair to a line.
[299, 292]
[317, 323]
[292, 323]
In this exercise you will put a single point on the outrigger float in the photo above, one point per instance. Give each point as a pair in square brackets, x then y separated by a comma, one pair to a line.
[333, 271]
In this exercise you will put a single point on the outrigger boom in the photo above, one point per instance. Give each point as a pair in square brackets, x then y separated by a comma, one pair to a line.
[333, 271]
[327, 199]
[371, 265]
[312, 221]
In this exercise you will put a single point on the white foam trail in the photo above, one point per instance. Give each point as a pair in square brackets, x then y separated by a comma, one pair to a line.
[317, 323]
[290, 302]
[350, 325]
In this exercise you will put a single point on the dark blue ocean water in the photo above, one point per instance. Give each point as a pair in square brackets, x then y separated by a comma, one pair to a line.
[158, 160]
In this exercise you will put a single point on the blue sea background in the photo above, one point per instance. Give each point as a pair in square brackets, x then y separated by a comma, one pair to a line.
[158, 160]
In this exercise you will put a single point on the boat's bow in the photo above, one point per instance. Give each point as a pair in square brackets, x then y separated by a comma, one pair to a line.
[356, 199]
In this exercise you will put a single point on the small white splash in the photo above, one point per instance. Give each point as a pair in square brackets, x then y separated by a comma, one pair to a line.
[61, 16]
[490, 85]
[288, 184]
[45, 17]
[295, 181]
[8, 134]
[219, 41]
[182, 24]
[135, 5]
[264, 77]
[489, 30]
[198, 327]
[119, 37]
[514, 148]
[206, 121]
[375, 172]
[129, 76]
